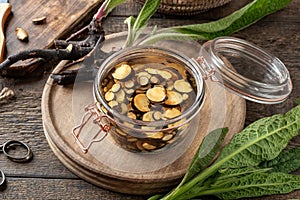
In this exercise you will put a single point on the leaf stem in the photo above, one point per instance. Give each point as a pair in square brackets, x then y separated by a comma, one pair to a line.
[217, 165]
[198, 179]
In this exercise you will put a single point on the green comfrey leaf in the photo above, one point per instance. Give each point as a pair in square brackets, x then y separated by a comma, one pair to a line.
[287, 161]
[206, 29]
[222, 179]
[298, 101]
[261, 141]
[207, 151]
[255, 185]
[141, 21]
[228, 175]
[234, 22]
[170, 35]
[145, 14]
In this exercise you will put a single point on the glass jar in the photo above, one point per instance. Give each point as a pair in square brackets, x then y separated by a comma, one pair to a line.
[148, 97]
[162, 121]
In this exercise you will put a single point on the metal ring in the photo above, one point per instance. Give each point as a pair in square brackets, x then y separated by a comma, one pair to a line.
[23, 158]
[2, 181]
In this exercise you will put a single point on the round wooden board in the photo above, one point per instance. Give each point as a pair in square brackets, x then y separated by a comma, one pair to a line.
[108, 165]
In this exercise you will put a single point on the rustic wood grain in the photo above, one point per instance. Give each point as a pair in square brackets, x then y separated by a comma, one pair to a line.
[61, 17]
[58, 188]
[46, 178]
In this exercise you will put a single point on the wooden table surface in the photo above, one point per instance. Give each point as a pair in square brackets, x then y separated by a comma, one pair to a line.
[45, 177]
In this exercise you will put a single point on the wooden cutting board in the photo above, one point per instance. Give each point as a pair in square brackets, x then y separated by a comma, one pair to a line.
[62, 16]
[108, 165]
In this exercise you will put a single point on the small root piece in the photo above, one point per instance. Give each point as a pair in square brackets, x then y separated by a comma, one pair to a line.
[122, 72]
[21, 34]
[6, 94]
[156, 94]
[39, 21]
[142, 103]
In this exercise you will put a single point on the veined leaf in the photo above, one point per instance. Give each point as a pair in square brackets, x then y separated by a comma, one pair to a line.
[234, 22]
[261, 141]
[221, 180]
[287, 161]
[228, 175]
[255, 185]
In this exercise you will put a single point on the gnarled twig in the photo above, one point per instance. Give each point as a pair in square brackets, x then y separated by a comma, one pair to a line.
[65, 50]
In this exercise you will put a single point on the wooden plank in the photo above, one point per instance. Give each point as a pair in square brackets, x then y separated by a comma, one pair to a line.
[62, 16]
[21, 119]
[40, 188]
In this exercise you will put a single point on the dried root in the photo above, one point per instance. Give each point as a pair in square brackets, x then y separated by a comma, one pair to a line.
[6, 94]
[64, 50]
[21, 34]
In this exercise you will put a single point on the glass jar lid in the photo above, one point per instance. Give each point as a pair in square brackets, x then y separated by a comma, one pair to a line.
[245, 69]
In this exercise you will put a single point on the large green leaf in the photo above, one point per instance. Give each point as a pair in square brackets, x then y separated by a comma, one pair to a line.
[287, 161]
[255, 185]
[234, 22]
[228, 175]
[220, 181]
[245, 182]
[145, 14]
[261, 141]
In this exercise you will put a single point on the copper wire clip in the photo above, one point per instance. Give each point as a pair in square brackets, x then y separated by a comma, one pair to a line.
[91, 111]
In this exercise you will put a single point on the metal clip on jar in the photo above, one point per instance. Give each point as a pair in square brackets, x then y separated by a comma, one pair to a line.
[147, 97]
